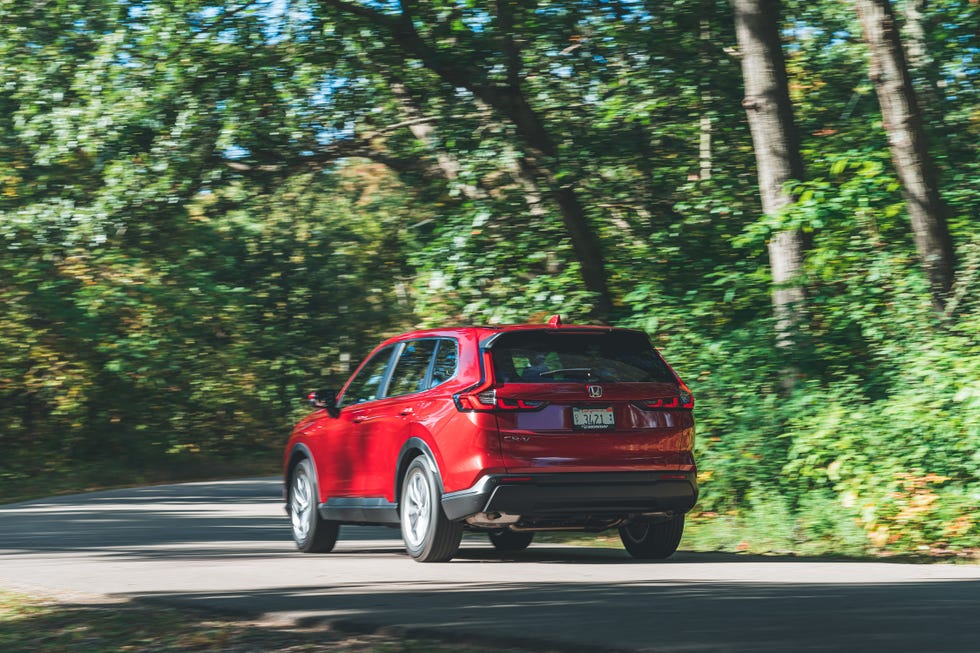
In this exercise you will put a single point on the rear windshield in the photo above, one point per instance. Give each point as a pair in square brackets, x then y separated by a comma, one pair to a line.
[548, 357]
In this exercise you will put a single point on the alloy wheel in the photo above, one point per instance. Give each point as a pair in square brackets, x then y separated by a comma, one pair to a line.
[418, 508]
[301, 504]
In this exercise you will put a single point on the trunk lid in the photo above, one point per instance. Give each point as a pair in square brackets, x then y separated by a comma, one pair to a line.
[592, 401]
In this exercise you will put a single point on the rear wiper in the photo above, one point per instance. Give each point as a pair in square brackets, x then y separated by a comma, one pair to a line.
[587, 371]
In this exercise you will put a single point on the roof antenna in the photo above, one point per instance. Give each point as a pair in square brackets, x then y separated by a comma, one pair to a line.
[555, 321]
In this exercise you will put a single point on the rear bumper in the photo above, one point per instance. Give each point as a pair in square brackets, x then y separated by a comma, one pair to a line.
[575, 494]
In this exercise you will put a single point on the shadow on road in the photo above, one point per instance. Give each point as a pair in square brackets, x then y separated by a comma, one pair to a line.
[668, 616]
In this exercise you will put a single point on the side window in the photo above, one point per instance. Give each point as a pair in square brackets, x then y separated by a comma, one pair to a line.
[444, 367]
[366, 386]
[413, 363]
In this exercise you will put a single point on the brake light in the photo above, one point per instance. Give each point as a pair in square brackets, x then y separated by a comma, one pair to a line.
[684, 399]
[478, 399]
[518, 404]
[482, 397]
[486, 400]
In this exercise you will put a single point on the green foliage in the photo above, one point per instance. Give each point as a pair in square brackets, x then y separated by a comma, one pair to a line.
[205, 208]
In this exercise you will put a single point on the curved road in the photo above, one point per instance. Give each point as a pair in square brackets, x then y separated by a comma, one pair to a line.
[226, 545]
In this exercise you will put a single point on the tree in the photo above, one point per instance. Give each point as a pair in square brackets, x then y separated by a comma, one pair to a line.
[503, 92]
[910, 152]
[777, 150]
[206, 207]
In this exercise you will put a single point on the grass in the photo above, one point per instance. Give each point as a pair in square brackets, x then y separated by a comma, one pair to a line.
[752, 535]
[36, 624]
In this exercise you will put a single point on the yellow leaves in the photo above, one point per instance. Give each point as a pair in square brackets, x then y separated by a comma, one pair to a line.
[183, 448]
[959, 526]
[77, 266]
[9, 182]
[83, 266]
[914, 515]
[918, 506]
[879, 537]
[60, 379]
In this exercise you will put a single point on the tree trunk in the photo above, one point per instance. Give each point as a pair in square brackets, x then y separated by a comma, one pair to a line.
[508, 100]
[423, 130]
[705, 128]
[539, 164]
[910, 154]
[923, 67]
[777, 151]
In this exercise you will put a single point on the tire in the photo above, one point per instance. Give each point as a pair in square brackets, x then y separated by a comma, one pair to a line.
[652, 540]
[311, 532]
[508, 541]
[428, 534]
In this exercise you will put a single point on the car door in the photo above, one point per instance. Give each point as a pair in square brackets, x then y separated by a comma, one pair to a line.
[361, 404]
[329, 438]
[383, 432]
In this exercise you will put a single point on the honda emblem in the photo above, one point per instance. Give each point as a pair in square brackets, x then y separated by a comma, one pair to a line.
[595, 391]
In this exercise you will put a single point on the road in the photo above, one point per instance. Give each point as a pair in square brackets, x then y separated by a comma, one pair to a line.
[225, 545]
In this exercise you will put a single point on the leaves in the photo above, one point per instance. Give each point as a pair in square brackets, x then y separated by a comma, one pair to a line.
[208, 210]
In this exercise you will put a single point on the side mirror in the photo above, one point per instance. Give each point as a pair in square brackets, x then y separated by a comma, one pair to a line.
[325, 399]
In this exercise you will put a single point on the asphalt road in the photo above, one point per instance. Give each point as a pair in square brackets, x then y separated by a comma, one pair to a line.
[226, 545]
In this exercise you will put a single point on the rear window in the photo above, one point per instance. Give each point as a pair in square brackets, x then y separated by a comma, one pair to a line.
[549, 357]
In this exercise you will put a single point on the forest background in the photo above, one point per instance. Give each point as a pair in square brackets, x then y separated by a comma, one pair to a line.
[208, 209]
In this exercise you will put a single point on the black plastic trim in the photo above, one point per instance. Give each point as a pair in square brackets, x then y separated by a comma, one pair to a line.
[373, 510]
[403, 460]
[489, 341]
[577, 494]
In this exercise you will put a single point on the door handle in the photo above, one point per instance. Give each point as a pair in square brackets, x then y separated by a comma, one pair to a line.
[360, 418]
[406, 411]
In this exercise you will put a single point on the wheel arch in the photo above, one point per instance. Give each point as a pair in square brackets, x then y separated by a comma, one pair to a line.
[412, 449]
[299, 452]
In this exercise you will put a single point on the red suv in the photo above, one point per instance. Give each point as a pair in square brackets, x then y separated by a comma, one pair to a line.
[509, 430]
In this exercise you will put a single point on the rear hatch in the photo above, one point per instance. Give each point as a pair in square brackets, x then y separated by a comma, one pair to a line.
[591, 400]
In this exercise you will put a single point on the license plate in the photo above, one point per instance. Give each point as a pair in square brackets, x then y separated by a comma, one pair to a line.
[593, 418]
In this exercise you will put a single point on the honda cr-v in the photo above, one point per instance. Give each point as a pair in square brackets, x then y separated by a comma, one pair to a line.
[508, 430]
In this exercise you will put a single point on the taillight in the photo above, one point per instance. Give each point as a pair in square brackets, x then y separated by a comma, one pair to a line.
[486, 399]
[684, 399]
[482, 397]
[476, 399]
[518, 404]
